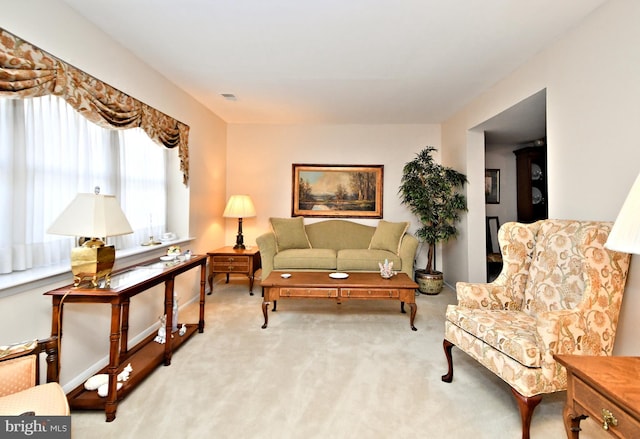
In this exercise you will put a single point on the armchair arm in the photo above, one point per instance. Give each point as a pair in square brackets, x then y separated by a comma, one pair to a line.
[268, 249]
[485, 296]
[573, 332]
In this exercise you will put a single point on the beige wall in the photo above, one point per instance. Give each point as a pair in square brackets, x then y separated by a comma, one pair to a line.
[591, 76]
[592, 85]
[259, 159]
[195, 211]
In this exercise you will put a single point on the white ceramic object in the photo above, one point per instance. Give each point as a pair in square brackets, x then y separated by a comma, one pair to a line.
[285, 275]
[167, 258]
[338, 275]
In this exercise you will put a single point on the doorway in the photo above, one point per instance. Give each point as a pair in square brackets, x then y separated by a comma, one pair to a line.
[520, 126]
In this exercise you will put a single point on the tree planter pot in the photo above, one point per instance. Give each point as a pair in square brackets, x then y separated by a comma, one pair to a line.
[429, 283]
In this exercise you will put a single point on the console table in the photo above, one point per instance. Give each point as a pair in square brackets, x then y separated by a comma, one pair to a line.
[146, 355]
[605, 388]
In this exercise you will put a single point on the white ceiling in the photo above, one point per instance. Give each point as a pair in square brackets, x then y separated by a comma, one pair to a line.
[335, 61]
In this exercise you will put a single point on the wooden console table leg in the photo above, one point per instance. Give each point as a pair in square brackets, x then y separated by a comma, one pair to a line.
[203, 275]
[414, 309]
[56, 330]
[111, 404]
[168, 310]
[124, 330]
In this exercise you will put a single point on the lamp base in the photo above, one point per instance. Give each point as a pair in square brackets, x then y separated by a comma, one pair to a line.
[239, 237]
[92, 263]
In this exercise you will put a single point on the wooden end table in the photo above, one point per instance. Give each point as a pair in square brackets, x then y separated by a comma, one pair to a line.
[228, 260]
[605, 388]
[360, 286]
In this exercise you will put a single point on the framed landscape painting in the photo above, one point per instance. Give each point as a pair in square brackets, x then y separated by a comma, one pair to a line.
[334, 191]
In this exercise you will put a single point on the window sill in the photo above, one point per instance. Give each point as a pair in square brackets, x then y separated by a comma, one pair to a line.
[18, 282]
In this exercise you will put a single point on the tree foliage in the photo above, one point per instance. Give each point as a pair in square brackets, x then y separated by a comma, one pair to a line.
[432, 193]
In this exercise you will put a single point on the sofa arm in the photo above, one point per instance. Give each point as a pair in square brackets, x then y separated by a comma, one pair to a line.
[268, 249]
[408, 249]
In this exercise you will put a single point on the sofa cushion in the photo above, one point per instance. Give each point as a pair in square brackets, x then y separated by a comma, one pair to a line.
[388, 236]
[308, 258]
[366, 260]
[339, 234]
[290, 233]
[512, 333]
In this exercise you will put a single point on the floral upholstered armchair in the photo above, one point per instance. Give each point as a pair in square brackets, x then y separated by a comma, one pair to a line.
[20, 392]
[559, 292]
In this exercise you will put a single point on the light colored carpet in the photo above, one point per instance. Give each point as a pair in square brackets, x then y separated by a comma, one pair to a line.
[320, 370]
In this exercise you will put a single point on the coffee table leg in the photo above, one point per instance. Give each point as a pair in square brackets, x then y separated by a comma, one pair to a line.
[402, 308]
[414, 309]
[265, 305]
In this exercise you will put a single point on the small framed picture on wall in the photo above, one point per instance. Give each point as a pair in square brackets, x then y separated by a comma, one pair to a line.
[492, 186]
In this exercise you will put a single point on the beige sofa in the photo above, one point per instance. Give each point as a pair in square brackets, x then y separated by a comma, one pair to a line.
[335, 245]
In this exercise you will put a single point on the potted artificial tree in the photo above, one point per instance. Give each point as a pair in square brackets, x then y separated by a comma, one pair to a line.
[432, 193]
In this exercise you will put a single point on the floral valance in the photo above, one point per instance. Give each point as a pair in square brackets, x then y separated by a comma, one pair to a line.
[27, 71]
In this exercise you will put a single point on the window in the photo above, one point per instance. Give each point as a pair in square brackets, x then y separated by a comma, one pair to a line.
[49, 153]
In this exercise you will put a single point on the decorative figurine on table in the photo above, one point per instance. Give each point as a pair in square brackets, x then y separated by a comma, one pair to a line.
[386, 269]
[162, 331]
[100, 382]
[174, 251]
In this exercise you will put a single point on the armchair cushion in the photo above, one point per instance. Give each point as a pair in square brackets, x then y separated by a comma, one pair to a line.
[512, 333]
[45, 399]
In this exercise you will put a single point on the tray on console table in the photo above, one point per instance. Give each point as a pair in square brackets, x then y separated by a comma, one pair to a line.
[146, 355]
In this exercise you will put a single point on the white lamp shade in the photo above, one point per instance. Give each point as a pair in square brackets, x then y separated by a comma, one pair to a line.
[239, 206]
[92, 216]
[625, 234]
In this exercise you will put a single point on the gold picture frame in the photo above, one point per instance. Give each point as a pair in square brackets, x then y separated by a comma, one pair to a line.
[337, 191]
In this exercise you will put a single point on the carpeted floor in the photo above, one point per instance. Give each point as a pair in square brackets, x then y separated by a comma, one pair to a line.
[320, 370]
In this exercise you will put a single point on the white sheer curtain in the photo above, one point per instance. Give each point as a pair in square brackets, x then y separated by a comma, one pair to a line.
[48, 153]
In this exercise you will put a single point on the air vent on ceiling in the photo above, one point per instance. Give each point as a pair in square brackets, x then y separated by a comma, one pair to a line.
[229, 96]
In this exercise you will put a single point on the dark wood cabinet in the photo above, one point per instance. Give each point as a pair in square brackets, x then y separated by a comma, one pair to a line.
[531, 169]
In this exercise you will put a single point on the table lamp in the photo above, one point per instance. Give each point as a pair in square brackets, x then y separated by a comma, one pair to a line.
[239, 206]
[625, 233]
[93, 217]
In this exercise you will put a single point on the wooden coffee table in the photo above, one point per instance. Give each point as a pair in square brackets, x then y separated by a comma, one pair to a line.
[318, 285]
